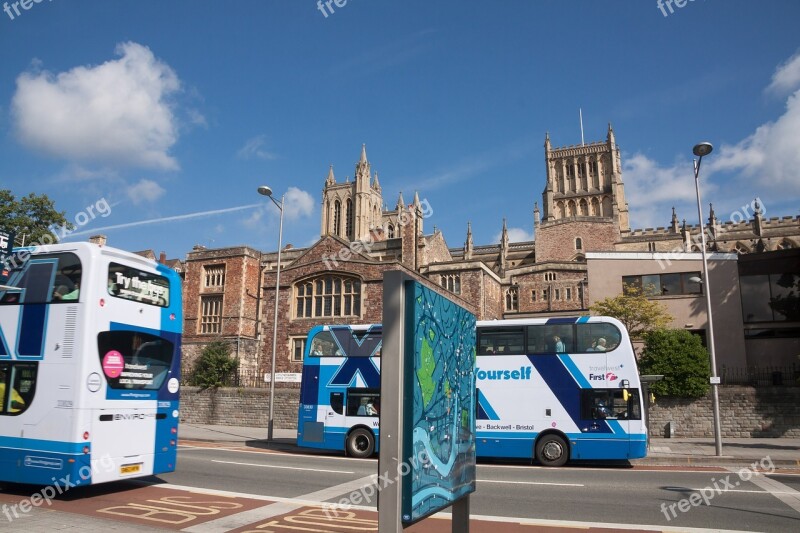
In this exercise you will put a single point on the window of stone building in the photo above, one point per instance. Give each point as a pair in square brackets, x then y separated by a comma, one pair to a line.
[350, 218]
[578, 243]
[328, 296]
[544, 295]
[785, 244]
[533, 296]
[298, 349]
[337, 217]
[569, 293]
[651, 247]
[558, 294]
[390, 232]
[549, 276]
[214, 276]
[512, 299]
[211, 314]
[451, 282]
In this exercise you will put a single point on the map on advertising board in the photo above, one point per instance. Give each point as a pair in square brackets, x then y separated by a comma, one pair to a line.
[439, 428]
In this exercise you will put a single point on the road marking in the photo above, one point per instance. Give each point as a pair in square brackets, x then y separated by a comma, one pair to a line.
[531, 483]
[784, 493]
[235, 521]
[283, 467]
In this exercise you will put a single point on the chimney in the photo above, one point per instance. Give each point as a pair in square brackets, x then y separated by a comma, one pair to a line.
[162, 258]
[99, 240]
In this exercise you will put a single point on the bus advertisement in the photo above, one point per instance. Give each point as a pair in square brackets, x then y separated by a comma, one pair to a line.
[550, 389]
[90, 342]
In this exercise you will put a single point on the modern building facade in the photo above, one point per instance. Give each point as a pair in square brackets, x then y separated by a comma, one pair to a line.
[583, 249]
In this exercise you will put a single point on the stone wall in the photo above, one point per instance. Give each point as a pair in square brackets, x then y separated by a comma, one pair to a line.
[239, 407]
[744, 412]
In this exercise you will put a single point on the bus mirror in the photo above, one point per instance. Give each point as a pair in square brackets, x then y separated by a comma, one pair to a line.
[626, 395]
[625, 384]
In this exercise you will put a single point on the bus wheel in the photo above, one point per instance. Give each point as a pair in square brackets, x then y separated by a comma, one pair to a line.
[551, 450]
[360, 443]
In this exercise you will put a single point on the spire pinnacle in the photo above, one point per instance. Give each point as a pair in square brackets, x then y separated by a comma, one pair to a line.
[363, 153]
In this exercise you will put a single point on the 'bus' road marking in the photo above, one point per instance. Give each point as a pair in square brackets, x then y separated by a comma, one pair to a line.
[283, 467]
[531, 483]
[227, 523]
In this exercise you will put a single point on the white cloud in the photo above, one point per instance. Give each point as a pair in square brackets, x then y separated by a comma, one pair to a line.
[651, 190]
[299, 204]
[254, 148]
[145, 191]
[515, 235]
[116, 112]
[770, 156]
[787, 76]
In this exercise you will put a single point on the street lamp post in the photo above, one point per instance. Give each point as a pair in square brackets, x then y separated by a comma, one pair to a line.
[266, 191]
[700, 150]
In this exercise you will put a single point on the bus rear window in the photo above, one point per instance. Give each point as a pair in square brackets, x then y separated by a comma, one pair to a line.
[133, 284]
[134, 360]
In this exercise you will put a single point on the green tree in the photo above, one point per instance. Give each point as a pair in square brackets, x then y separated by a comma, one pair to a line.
[681, 358]
[31, 216]
[215, 367]
[633, 309]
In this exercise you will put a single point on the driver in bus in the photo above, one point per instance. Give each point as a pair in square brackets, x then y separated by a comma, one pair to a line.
[16, 404]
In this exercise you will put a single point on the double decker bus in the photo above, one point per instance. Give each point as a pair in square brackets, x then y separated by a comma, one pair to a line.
[89, 365]
[550, 389]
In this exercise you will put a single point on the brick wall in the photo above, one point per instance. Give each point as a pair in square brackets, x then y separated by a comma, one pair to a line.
[744, 412]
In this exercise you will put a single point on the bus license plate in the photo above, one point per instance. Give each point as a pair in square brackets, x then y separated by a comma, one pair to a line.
[130, 469]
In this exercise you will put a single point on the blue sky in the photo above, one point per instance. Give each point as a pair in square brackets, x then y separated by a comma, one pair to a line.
[174, 112]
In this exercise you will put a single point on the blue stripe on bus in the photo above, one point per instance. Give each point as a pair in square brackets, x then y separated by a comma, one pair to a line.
[564, 386]
[38, 445]
[583, 320]
[567, 361]
[564, 320]
[485, 411]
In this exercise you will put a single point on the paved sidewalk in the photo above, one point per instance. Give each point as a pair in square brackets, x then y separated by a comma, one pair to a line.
[782, 452]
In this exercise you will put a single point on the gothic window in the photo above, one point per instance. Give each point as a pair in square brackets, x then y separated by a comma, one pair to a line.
[651, 247]
[594, 175]
[350, 217]
[741, 248]
[549, 276]
[595, 207]
[582, 175]
[785, 244]
[328, 296]
[606, 207]
[573, 211]
[211, 314]
[561, 210]
[451, 282]
[578, 243]
[337, 217]
[214, 276]
[512, 299]
[584, 208]
[570, 177]
[390, 231]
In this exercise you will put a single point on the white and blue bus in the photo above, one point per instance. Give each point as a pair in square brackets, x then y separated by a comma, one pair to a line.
[89, 365]
[551, 389]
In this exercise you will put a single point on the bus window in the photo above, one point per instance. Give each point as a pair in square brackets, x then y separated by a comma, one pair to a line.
[134, 360]
[501, 341]
[550, 338]
[323, 345]
[45, 278]
[362, 402]
[597, 337]
[337, 402]
[133, 284]
[17, 387]
[599, 404]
